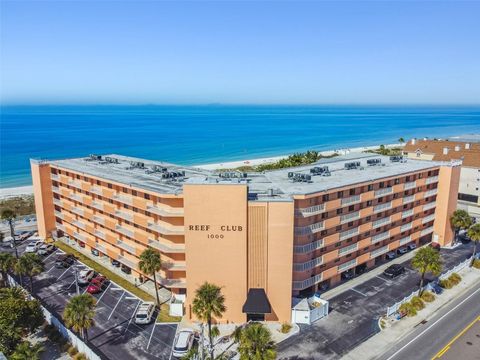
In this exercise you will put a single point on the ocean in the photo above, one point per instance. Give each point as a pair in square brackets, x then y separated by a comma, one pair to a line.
[209, 134]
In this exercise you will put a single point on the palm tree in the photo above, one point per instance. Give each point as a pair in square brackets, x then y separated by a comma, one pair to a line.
[27, 351]
[79, 313]
[10, 216]
[209, 302]
[29, 264]
[7, 263]
[401, 140]
[474, 234]
[427, 259]
[150, 262]
[255, 343]
[460, 220]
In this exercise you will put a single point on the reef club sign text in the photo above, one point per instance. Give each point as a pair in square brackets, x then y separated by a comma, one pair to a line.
[216, 232]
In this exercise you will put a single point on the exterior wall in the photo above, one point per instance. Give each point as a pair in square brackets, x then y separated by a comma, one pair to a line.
[42, 191]
[449, 178]
[216, 244]
[470, 185]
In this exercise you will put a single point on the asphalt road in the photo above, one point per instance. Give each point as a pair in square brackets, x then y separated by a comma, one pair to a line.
[453, 334]
[354, 314]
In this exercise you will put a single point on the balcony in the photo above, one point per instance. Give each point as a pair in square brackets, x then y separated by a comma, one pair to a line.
[380, 251]
[349, 233]
[426, 231]
[57, 202]
[382, 207]
[79, 236]
[405, 227]
[75, 183]
[431, 180]
[77, 211]
[410, 185]
[310, 211]
[123, 199]
[54, 177]
[430, 193]
[170, 248]
[124, 215]
[174, 266]
[56, 190]
[303, 249]
[76, 197]
[98, 220]
[382, 192]
[310, 229]
[351, 200]
[300, 285]
[96, 190]
[127, 262]
[165, 211]
[60, 227]
[308, 264]
[429, 206]
[100, 234]
[171, 283]
[347, 265]
[97, 205]
[408, 199]
[164, 230]
[350, 217]
[405, 240]
[407, 213]
[348, 249]
[381, 222]
[125, 246]
[379, 237]
[58, 214]
[124, 231]
[101, 248]
[428, 218]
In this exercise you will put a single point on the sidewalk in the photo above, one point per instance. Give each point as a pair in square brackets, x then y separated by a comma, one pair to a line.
[388, 337]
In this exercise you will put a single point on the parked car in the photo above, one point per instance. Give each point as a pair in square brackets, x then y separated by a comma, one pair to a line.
[402, 250]
[391, 255]
[82, 244]
[33, 246]
[97, 284]
[125, 269]
[394, 270]
[411, 246]
[115, 263]
[46, 249]
[347, 275]
[434, 287]
[84, 276]
[64, 261]
[95, 252]
[183, 343]
[144, 313]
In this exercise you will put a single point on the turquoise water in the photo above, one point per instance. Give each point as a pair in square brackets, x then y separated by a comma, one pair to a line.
[205, 134]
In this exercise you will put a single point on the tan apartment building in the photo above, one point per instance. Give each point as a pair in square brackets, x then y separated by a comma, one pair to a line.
[263, 237]
[462, 148]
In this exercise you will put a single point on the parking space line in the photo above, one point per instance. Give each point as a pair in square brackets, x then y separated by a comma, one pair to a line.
[118, 302]
[63, 273]
[151, 334]
[381, 278]
[103, 293]
[131, 317]
[49, 256]
[359, 292]
[131, 298]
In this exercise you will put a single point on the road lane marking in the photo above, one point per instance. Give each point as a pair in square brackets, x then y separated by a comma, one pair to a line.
[359, 292]
[151, 334]
[118, 302]
[433, 324]
[447, 347]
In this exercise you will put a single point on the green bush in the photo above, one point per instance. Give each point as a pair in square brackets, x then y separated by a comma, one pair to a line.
[476, 263]
[417, 303]
[445, 283]
[286, 327]
[455, 279]
[80, 356]
[408, 309]
[72, 350]
[427, 296]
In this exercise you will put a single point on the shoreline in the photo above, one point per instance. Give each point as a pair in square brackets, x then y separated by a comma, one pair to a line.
[6, 193]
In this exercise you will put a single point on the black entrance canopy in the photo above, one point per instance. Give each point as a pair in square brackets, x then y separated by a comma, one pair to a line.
[257, 302]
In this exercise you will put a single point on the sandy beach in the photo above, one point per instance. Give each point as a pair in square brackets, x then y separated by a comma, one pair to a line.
[28, 190]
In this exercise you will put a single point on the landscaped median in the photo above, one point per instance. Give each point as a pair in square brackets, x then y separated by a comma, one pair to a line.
[163, 315]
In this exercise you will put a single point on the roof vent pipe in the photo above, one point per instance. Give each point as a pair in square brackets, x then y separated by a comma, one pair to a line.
[467, 146]
[445, 151]
[414, 141]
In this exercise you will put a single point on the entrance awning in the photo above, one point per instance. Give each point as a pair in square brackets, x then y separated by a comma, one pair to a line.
[257, 302]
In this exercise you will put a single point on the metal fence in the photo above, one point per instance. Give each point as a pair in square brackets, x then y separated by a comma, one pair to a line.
[66, 333]
[394, 308]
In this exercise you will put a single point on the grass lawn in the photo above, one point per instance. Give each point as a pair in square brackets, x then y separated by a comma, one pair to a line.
[163, 315]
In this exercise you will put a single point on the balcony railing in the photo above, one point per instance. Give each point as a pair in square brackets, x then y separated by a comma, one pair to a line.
[379, 237]
[310, 211]
[76, 197]
[430, 192]
[57, 202]
[125, 246]
[97, 205]
[164, 230]
[350, 217]
[429, 206]
[306, 248]
[428, 218]
[409, 185]
[310, 229]
[384, 191]
[127, 262]
[96, 190]
[347, 265]
[54, 177]
[165, 211]
[308, 264]
[60, 227]
[408, 199]
[124, 231]
[56, 190]
[123, 198]
[300, 285]
[58, 214]
[351, 200]
[380, 222]
[426, 231]
[177, 248]
[431, 180]
[407, 213]
[100, 234]
[171, 283]
[349, 233]
[405, 227]
[79, 236]
[77, 211]
[405, 240]
[124, 215]
[379, 251]
[382, 207]
[98, 220]
[348, 249]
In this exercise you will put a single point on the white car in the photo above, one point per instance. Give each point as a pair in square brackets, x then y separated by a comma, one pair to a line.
[391, 255]
[33, 246]
[84, 276]
[183, 342]
[412, 246]
[144, 313]
[46, 249]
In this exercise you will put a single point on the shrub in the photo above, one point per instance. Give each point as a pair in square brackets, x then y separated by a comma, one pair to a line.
[445, 283]
[417, 303]
[455, 279]
[80, 356]
[427, 296]
[476, 263]
[408, 309]
[286, 327]
[72, 350]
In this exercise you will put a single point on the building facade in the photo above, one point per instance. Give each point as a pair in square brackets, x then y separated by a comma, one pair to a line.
[464, 149]
[263, 237]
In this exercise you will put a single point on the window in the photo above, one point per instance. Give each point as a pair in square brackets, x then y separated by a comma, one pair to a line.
[340, 194]
[369, 218]
[369, 203]
[351, 208]
[407, 179]
[110, 186]
[339, 211]
[338, 244]
[382, 184]
[146, 196]
[380, 199]
[370, 187]
[339, 227]
[134, 193]
[325, 197]
[352, 191]
[397, 181]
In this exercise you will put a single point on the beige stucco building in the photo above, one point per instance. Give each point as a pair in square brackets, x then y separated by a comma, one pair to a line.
[263, 237]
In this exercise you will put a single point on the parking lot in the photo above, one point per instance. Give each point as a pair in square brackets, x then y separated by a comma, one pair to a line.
[354, 313]
[114, 334]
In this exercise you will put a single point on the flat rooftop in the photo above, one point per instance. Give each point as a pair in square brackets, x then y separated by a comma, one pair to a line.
[270, 185]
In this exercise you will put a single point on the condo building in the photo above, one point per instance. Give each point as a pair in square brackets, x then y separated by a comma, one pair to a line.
[264, 237]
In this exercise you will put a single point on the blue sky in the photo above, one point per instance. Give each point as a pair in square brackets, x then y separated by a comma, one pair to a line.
[163, 52]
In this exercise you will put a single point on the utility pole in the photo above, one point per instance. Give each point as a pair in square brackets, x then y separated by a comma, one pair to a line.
[201, 341]
[76, 279]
